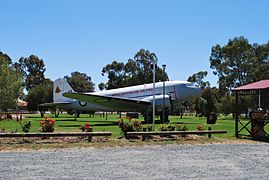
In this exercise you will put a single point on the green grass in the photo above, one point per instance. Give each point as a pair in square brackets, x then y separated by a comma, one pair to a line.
[66, 123]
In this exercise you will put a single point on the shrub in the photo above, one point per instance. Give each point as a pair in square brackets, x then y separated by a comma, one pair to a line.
[163, 127]
[200, 128]
[167, 127]
[128, 125]
[170, 127]
[47, 125]
[149, 127]
[180, 127]
[86, 128]
[26, 126]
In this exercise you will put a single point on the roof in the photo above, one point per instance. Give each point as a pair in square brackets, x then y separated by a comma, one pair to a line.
[259, 85]
[22, 103]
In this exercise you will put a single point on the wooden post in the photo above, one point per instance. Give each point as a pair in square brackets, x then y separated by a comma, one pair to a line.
[236, 115]
[209, 134]
[90, 137]
[106, 115]
[17, 116]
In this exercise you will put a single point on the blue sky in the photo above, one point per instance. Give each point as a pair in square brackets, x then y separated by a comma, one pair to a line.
[85, 35]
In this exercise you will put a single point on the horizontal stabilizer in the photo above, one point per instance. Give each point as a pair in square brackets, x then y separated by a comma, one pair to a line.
[54, 104]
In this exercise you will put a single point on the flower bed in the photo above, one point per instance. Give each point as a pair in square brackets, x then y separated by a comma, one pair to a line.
[47, 125]
[128, 125]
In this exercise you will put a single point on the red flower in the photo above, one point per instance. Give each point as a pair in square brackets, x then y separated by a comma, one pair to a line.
[47, 118]
[129, 118]
[47, 125]
[87, 126]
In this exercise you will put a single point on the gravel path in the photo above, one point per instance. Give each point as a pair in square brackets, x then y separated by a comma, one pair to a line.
[216, 161]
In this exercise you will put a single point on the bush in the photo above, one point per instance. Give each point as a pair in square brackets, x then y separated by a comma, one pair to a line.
[128, 125]
[86, 128]
[167, 127]
[47, 125]
[149, 127]
[180, 127]
[200, 128]
[26, 126]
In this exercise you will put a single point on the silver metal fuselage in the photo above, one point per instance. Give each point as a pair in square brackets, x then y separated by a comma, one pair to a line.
[176, 91]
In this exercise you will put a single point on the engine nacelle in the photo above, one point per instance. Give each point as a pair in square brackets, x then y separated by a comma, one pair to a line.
[159, 100]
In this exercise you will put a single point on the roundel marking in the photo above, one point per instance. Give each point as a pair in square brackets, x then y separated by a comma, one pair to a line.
[82, 103]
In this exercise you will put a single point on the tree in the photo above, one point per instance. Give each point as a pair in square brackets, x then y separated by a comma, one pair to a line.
[80, 82]
[115, 73]
[226, 105]
[40, 94]
[102, 86]
[143, 60]
[33, 70]
[5, 58]
[261, 55]
[239, 63]
[10, 83]
[211, 97]
[198, 78]
[136, 71]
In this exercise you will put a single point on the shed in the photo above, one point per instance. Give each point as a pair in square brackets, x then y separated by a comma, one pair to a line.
[255, 126]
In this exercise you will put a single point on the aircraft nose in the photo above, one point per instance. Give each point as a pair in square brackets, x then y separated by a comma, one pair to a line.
[194, 91]
[187, 91]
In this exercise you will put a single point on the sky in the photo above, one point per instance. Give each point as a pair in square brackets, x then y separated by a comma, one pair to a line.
[85, 35]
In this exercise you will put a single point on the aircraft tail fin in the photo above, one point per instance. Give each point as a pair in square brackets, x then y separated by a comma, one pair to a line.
[59, 87]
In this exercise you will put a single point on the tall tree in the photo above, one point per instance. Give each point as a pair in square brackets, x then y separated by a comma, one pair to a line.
[5, 58]
[102, 86]
[80, 82]
[211, 96]
[199, 79]
[115, 74]
[40, 94]
[135, 71]
[261, 56]
[238, 63]
[33, 70]
[10, 83]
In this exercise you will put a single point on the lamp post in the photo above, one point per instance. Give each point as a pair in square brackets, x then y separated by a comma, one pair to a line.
[164, 66]
[153, 108]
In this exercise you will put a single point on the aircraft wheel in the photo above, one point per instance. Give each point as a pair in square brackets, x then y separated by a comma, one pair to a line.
[148, 117]
[165, 118]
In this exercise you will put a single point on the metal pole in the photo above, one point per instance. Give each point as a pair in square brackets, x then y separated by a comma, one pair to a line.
[163, 100]
[163, 92]
[259, 99]
[153, 108]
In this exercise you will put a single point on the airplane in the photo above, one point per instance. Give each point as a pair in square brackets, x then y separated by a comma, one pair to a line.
[137, 98]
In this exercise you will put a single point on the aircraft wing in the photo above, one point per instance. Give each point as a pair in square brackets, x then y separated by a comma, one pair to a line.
[54, 104]
[110, 102]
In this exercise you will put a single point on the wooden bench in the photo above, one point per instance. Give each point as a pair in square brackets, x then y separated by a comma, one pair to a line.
[56, 134]
[168, 133]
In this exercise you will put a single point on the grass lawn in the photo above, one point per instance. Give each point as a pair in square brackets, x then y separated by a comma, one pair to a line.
[67, 123]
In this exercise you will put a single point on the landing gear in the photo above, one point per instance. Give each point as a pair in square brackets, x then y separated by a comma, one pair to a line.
[164, 117]
[148, 117]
